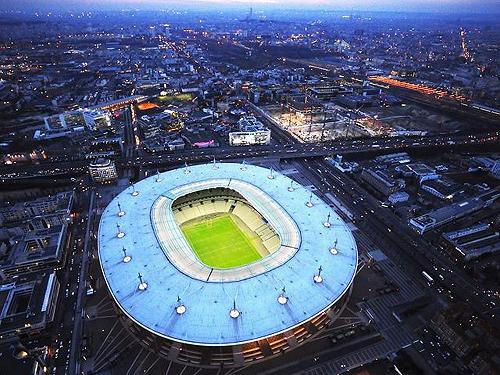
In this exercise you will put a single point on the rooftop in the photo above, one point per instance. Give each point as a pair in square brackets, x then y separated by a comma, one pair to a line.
[167, 284]
[27, 301]
[34, 249]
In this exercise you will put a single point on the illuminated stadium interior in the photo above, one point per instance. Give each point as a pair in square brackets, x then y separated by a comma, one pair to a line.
[217, 300]
[223, 229]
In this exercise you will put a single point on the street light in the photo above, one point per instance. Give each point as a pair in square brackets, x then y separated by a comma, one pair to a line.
[120, 233]
[120, 211]
[135, 193]
[180, 308]
[270, 176]
[243, 165]
[186, 168]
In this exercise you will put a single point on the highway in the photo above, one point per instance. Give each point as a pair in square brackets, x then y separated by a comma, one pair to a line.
[288, 149]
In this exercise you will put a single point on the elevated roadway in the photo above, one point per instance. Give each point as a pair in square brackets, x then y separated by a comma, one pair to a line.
[285, 150]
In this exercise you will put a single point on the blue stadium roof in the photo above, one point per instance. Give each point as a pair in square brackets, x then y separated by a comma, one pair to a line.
[206, 320]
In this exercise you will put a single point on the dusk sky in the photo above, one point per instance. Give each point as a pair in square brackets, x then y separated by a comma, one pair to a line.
[452, 6]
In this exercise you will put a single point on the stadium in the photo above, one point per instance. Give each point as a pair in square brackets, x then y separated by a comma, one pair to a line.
[224, 264]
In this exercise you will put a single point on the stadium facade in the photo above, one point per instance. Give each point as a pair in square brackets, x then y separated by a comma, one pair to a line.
[190, 312]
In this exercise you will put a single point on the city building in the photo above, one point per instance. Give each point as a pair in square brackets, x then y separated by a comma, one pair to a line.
[60, 204]
[469, 243]
[472, 340]
[328, 92]
[252, 132]
[381, 181]
[33, 250]
[491, 164]
[441, 188]
[78, 120]
[396, 158]
[103, 170]
[27, 304]
[68, 123]
[176, 144]
[420, 172]
[451, 212]
[398, 197]
[343, 166]
[97, 119]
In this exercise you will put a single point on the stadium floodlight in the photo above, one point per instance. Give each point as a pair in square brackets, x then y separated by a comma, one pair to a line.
[318, 278]
[282, 298]
[327, 223]
[243, 165]
[126, 258]
[158, 178]
[120, 233]
[271, 175]
[180, 308]
[309, 203]
[135, 193]
[215, 166]
[120, 211]
[334, 250]
[234, 312]
[142, 284]
[186, 168]
[290, 188]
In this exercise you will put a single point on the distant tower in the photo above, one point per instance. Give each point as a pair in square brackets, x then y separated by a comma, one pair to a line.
[249, 15]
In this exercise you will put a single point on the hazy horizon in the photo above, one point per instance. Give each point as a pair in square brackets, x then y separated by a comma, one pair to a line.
[420, 6]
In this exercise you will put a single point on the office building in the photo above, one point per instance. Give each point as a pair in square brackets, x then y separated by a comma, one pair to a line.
[252, 132]
[103, 170]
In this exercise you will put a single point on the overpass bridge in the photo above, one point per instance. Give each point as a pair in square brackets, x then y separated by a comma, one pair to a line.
[354, 148]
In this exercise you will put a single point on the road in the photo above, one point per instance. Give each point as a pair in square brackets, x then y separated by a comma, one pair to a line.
[70, 276]
[288, 149]
[74, 359]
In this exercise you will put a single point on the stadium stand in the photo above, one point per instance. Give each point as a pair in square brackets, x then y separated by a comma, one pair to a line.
[210, 203]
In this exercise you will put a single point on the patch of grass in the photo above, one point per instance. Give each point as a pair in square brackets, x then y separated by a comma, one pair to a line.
[183, 97]
[220, 243]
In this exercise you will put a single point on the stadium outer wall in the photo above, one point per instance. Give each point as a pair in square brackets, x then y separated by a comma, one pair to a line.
[235, 355]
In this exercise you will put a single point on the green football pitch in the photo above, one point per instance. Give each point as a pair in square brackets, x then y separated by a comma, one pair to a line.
[220, 243]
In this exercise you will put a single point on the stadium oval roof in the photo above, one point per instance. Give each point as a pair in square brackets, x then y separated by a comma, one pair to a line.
[127, 223]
